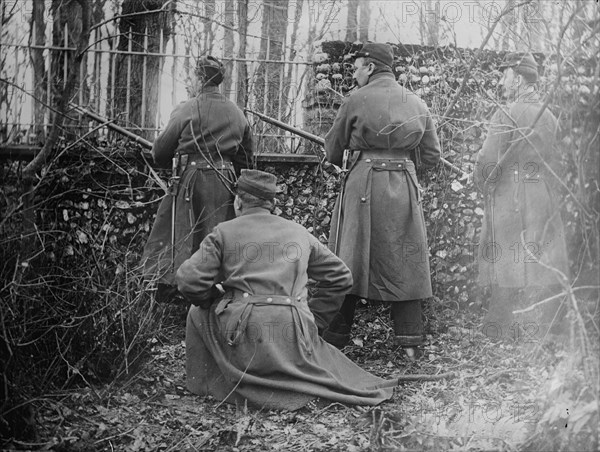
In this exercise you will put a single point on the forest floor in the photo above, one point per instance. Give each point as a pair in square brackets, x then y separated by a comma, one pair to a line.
[492, 402]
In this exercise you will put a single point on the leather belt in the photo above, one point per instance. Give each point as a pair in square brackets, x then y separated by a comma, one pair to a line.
[199, 161]
[384, 154]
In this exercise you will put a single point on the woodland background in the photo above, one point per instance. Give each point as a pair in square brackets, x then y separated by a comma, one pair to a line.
[80, 328]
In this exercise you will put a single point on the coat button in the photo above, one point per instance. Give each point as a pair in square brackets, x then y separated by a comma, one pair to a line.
[363, 199]
[193, 163]
[245, 295]
[288, 300]
[383, 164]
[269, 299]
[368, 160]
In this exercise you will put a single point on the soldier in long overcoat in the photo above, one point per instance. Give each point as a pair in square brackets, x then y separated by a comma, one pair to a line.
[211, 140]
[382, 232]
[258, 341]
[522, 252]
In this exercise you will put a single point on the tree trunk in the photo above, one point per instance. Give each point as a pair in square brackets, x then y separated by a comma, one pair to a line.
[351, 22]
[40, 78]
[287, 83]
[508, 27]
[531, 18]
[229, 21]
[430, 23]
[365, 18]
[38, 162]
[268, 76]
[242, 79]
[137, 77]
[97, 17]
[209, 34]
[66, 32]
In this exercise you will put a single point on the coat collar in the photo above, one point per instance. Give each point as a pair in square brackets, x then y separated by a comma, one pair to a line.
[208, 89]
[528, 97]
[381, 76]
[255, 210]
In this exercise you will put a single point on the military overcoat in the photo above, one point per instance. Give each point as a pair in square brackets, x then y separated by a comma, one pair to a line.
[212, 138]
[260, 342]
[522, 232]
[383, 238]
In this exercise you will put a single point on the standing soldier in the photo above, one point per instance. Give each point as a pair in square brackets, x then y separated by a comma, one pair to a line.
[382, 235]
[207, 142]
[522, 252]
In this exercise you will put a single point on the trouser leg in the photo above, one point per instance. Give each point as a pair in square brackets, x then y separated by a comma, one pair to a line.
[408, 322]
[339, 330]
[499, 320]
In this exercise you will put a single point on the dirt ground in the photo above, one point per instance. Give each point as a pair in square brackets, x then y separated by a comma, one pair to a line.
[491, 403]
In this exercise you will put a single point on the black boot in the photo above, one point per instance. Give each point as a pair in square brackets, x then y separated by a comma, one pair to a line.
[339, 331]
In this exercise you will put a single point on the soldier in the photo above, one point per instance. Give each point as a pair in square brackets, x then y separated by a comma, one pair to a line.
[522, 252]
[259, 341]
[210, 139]
[382, 232]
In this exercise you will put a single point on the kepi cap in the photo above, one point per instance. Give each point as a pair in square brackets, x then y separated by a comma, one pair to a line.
[380, 52]
[258, 183]
[522, 62]
[209, 61]
[211, 67]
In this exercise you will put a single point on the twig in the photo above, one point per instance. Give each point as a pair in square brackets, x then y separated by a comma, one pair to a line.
[547, 300]
[108, 438]
[425, 377]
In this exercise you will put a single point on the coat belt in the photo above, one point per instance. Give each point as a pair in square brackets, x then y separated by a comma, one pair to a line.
[246, 302]
[200, 161]
[383, 154]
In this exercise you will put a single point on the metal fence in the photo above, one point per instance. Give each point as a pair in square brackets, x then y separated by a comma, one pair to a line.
[18, 124]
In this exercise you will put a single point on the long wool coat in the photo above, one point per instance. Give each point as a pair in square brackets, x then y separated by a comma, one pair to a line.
[383, 238]
[260, 342]
[208, 128]
[522, 229]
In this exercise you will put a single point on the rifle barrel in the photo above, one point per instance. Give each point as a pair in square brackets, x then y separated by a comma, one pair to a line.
[289, 128]
[321, 141]
[110, 125]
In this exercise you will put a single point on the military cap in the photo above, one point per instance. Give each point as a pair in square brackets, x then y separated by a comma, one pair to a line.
[380, 52]
[258, 183]
[209, 61]
[210, 66]
[520, 62]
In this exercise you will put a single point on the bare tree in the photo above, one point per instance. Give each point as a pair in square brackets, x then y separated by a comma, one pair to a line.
[67, 32]
[242, 73]
[38, 38]
[209, 34]
[229, 21]
[505, 37]
[352, 20]
[137, 76]
[364, 20]
[429, 22]
[288, 76]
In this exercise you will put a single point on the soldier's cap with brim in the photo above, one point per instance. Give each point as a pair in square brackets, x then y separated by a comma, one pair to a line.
[258, 183]
[378, 51]
[210, 61]
[520, 62]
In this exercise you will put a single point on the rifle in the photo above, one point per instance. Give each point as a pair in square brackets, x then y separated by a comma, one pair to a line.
[110, 125]
[338, 228]
[321, 141]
